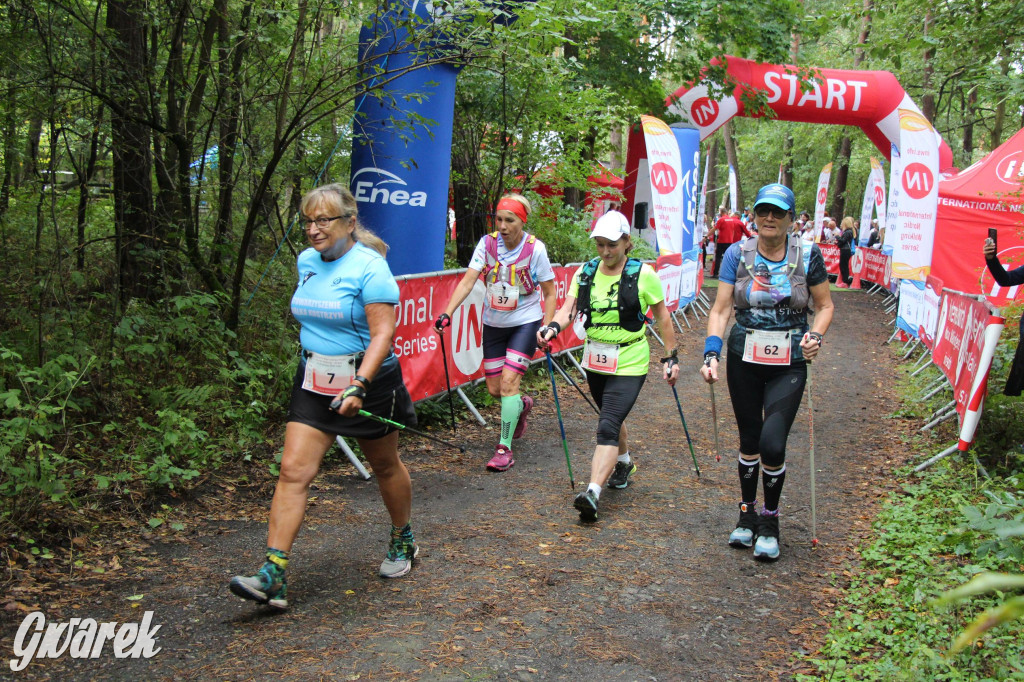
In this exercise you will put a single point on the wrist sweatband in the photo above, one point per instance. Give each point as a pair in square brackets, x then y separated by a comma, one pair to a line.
[554, 325]
[713, 344]
[363, 380]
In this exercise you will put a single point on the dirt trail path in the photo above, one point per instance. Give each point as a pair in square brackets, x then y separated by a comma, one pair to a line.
[509, 585]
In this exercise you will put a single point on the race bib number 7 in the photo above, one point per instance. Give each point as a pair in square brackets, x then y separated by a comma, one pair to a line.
[767, 348]
[328, 374]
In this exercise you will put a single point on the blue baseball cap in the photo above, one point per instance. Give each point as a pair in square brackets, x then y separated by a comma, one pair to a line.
[776, 195]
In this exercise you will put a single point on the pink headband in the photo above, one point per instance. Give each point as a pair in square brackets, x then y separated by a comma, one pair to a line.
[513, 206]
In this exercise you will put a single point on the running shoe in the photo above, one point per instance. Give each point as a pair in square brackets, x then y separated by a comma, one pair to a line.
[620, 477]
[766, 547]
[586, 504]
[521, 426]
[743, 535]
[502, 460]
[401, 553]
[268, 586]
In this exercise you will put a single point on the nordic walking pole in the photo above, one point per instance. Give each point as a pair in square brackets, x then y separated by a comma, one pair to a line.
[714, 422]
[336, 403]
[686, 430]
[561, 424]
[810, 438]
[577, 387]
[447, 378]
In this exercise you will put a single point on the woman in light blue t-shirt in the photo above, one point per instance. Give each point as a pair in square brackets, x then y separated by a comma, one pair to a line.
[345, 300]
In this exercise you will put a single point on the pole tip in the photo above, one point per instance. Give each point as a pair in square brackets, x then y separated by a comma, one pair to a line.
[462, 449]
[814, 543]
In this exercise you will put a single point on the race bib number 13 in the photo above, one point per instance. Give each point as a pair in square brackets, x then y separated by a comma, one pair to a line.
[767, 348]
[601, 357]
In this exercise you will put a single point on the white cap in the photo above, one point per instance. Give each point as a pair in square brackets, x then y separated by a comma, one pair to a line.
[612, 226]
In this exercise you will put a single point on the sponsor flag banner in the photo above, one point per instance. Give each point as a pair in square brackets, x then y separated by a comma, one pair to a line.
[874, 201]
[911, 224]
[820, 198]
[665, 174]
[702, 206]
[688, 140]
[911, 310]
[733, 208]
[930, 312]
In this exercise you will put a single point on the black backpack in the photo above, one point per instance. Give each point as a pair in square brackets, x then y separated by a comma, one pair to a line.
[631, 318]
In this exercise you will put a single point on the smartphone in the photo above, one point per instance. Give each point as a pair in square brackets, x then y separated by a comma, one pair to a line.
[992, 235]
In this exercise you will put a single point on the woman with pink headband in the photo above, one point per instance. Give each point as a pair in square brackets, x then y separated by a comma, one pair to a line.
[519, 297]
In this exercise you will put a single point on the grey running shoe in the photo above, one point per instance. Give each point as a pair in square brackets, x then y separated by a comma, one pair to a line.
[266, 587]
[743, 536]
[620, 477]
[401, 553]
[586, 504]
[766, 548]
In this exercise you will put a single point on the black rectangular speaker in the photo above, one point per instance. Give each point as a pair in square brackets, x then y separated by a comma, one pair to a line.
[640, 216]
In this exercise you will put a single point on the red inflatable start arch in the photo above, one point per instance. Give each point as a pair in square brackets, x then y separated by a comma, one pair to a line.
[870, 100]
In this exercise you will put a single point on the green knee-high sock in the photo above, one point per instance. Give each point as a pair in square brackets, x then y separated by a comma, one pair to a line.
[511, 408]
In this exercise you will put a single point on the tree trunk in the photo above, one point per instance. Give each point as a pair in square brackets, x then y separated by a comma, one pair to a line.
[1000, 118]
[928, 97]
[840, 174]
[130, 144]
[970, 110]
[730, 155]
[616, 162]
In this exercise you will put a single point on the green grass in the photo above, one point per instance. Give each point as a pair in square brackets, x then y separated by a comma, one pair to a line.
[933, 534]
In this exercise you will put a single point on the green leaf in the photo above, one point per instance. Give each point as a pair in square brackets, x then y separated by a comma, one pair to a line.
[135, 597]
[1004, 613]
[155, 522]
[981, 584]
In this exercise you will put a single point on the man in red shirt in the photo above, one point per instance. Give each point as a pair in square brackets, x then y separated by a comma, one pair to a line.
[728, 231]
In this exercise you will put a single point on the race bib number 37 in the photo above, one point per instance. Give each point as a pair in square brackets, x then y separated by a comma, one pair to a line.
[767, 348]
[503, 297]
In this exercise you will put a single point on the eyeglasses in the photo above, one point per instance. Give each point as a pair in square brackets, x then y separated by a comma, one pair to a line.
[763, 210]
[321, 222]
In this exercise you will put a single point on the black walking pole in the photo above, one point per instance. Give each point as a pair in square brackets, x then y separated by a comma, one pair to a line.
[576, 386]
[810, 437]
[447, 378]
[561, 424]
[336, 403]
[685, 430]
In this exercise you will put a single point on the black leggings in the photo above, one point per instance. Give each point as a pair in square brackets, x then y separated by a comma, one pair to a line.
[615, 396]
[844, 266]
[765, 399]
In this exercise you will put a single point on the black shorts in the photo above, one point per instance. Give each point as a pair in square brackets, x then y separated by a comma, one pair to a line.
[387, 398]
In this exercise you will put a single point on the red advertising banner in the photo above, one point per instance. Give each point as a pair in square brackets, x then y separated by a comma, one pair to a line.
[418, 347]
[959, 341]
[873, 266]
[830, 252]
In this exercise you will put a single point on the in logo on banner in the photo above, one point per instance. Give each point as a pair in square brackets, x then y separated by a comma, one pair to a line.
[468, 330]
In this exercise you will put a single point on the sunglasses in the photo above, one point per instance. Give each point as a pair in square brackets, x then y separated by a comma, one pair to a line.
[763, 210]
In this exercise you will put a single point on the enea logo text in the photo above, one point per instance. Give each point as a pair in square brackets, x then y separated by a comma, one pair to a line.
[378, 191]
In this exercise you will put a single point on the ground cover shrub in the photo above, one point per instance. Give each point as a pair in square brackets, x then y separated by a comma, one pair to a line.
[943, 528]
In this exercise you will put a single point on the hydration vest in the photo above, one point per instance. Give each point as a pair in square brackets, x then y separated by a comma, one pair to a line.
[799, 294]
[631, 317]
[519, 272]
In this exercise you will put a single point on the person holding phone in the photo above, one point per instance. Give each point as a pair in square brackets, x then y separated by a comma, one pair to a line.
[772, 280]
[1015, 277]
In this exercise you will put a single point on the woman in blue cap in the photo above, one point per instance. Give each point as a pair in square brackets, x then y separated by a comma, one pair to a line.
[772, 280]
